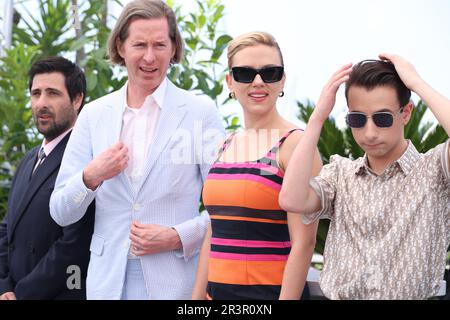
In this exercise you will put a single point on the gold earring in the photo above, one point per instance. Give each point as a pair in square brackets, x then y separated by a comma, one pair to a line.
[232, 95]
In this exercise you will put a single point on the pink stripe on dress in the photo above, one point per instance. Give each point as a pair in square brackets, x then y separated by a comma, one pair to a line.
[271, 156]
[248, 257]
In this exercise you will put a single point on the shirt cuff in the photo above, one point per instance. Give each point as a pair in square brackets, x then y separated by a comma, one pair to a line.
[79, 193]
[321, 214]
[6, 285]
[192, 233]
[187, 250]
[179, 253]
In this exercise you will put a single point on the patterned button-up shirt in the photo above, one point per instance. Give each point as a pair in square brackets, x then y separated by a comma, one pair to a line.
[388, 233]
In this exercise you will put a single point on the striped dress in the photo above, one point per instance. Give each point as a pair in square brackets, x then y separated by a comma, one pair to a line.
[250, 241]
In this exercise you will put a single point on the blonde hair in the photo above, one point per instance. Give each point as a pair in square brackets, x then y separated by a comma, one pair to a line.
[144, 9]
[251, 39]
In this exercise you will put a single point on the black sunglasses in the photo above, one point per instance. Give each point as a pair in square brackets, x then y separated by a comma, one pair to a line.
[247, 74]
[382, 119]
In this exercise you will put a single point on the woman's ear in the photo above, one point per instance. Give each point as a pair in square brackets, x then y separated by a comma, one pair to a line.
[229, 82]
[283, 80]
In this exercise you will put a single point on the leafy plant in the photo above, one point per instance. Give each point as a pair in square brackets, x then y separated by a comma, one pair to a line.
[55, 29]
[332, 140]
[48, 29]
[90, 46]
[17, 133]
[201, 69]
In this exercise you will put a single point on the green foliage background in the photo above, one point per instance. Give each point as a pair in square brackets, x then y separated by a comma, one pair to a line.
[53, 30]
[56, 30]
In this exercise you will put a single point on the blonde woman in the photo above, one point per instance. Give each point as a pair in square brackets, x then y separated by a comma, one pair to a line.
[254, 249]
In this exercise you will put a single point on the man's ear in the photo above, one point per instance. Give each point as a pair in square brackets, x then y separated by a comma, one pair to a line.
[407, 111]
[174, 50]
[119, 47]
[77, 103]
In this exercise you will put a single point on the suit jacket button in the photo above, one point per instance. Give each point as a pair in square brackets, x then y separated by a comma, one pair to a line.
[32, 250]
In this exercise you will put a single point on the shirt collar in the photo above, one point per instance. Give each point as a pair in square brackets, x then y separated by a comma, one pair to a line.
[409, 158]
[49, 146]
[158, 95]
[405, 162]
[362, 165]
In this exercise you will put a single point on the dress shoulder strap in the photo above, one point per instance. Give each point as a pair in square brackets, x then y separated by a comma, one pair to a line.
[225, 145]
[277, 146]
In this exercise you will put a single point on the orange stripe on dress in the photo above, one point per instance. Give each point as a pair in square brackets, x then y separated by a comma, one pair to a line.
[261, 197]
[246, 272]
[245, 177]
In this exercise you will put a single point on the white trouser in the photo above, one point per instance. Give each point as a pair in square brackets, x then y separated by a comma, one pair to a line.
[134, 286]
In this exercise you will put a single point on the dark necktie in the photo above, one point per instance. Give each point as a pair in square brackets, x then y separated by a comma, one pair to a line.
[41, 158]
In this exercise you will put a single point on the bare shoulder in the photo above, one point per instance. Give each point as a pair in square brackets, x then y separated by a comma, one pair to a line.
[292, 140]
[288, 147]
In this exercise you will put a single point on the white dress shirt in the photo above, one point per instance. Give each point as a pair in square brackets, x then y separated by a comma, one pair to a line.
[138, 128]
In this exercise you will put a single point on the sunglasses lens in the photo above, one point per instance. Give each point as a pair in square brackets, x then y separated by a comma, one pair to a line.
[356, 120]
[243, 74]
[247, 75]
[383, 119]
[272, 74]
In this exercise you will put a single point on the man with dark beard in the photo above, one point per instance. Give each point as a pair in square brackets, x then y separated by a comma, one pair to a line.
[38, 258]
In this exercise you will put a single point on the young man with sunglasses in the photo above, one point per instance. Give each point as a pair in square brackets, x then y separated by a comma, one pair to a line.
[389, 210]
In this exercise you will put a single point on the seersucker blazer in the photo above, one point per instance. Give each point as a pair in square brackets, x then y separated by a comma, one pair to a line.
[184, 146]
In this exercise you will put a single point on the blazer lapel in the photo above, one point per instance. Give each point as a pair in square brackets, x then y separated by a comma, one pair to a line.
[113, 121]
[23, 178]
[47, 168]
[114, 126]
[171, 116]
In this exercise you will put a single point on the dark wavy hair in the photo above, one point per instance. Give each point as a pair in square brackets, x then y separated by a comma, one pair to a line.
[75, 81]
[374, 73]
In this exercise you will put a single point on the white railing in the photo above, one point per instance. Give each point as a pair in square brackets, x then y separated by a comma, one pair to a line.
[316, 292]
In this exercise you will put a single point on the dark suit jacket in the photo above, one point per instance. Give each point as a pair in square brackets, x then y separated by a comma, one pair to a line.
[35, 252]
